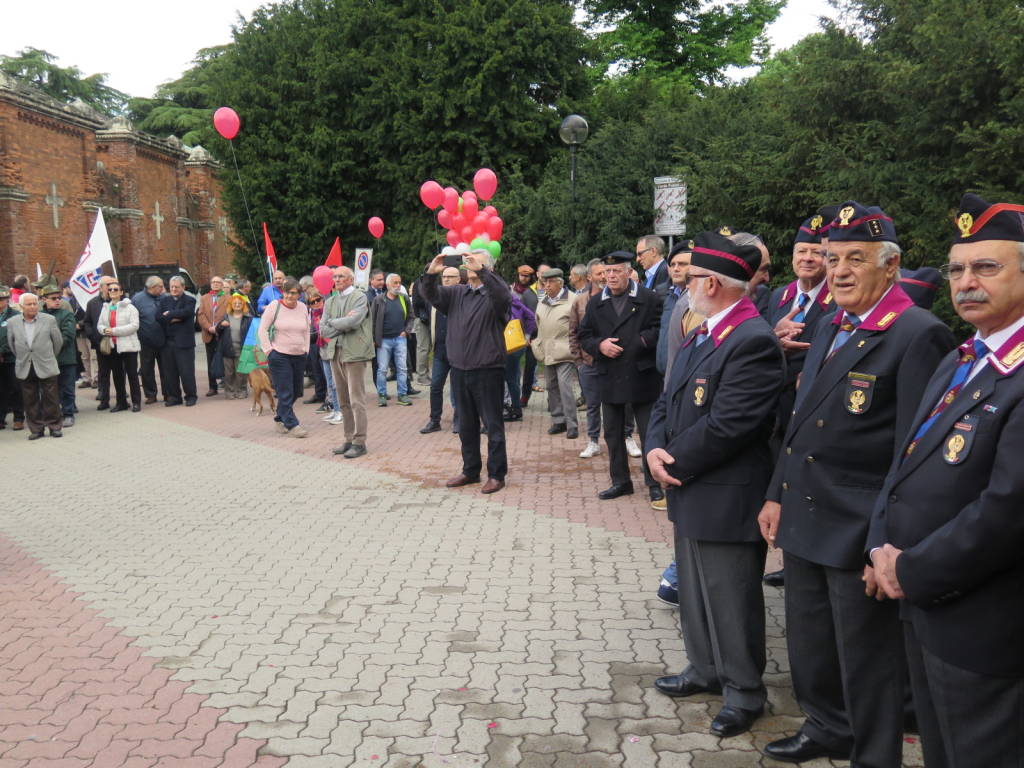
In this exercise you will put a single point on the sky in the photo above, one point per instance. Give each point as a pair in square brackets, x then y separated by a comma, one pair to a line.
[143, 44]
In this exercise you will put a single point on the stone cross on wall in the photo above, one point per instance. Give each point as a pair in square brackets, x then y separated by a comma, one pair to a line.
[158, 219]
[56, 202]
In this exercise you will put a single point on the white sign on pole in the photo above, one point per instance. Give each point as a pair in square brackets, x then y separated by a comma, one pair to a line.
[364, 259]
[669, 205]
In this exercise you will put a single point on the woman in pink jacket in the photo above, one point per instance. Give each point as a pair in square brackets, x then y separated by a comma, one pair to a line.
[284, 337]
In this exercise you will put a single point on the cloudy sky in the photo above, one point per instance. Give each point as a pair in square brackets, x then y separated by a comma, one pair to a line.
[142, 44]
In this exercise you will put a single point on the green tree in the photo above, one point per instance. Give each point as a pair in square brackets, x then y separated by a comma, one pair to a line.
[65, 84]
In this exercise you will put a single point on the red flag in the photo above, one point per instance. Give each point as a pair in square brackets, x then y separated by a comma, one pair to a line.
[334, 257]
[269, 248]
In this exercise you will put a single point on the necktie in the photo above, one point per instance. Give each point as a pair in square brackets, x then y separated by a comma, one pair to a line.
[846, 329]
[702, 333]
[802, 303]
[970, 353]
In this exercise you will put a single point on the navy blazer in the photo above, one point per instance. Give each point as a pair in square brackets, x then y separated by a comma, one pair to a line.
[180, 321]
[835, 453]
[956, 509]
[715, 418]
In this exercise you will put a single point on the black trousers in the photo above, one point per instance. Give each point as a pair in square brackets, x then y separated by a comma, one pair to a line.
[103, 377]
[124, 366]
[211, 352]
[151, 358]
[179, 372]
[529, 373]
[847, 662]
[316, 372]
[478, 395]
[614, 417]
[10, 393]
[42, 402]
[966, 719]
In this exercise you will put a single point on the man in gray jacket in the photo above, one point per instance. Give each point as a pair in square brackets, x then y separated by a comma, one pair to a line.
[346, 327]
[34, 339]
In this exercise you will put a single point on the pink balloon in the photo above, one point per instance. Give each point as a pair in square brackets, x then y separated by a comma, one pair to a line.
[376, 226]
[226, 121]
[467, 234]
[485, 182]
[431, 194]
[480, 223]
[470, 206]
[495, 227]
[459, 221]
[490, 210]
[452, 237]
[451, 200]
[444, 219]
[323, 279]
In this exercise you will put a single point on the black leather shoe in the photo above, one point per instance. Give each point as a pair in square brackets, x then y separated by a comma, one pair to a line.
[411, 391]
[626, 489]
[679, 686]
[119, 407]
[801, 747]
[432, 426]
[103, 406]
[657, 494]
[775, 578]
[172, 402]
[732, 721]
[343, 448]
[572, 434]
[136, 407]
[555, 429]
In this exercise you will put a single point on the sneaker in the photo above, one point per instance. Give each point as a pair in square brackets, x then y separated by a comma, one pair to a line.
[668, 594]
[280, 427]
[404, 400]
[632, 448]
[590, 451]
[382, 401]
[335, 418]
[298, 431]
[355, 451]
[659, 504]
[69, 421]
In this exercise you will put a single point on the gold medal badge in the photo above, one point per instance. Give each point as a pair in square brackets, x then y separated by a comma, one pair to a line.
[965, 221]
[954, 446]
[859, 390]
[857, 399]
[959, 441]
[698, 395]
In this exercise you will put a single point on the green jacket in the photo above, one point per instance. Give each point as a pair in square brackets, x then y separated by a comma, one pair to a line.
[5, 351]
[354, 333]
[66, 323]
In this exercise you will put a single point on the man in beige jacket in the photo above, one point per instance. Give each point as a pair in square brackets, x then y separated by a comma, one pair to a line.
[551, 347]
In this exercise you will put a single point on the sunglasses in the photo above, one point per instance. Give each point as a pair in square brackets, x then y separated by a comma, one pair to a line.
[316, 301]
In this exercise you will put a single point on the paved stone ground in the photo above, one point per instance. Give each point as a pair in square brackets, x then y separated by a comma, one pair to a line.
[190, 588]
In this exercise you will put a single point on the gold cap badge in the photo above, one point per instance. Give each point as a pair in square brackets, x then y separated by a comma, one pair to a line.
[845, 215]
[965, 222]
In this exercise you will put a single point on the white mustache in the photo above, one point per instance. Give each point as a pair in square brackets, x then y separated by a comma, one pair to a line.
[979, 296]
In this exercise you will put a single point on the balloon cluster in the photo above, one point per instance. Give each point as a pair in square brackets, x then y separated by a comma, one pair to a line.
[462, 215]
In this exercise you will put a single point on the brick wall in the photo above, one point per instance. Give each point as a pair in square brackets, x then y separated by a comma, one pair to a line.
[59, 163]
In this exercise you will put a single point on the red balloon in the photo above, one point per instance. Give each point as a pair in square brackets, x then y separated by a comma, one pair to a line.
[490, 210]
[480, 223]
[376, 226]
[431, 194]
[444, 219]
[470, 206]
[451, 200]
[495, 227]
[459, 221]
[323, 279]
[452, 237]
[467, 234]
[485, 182]
[226, 121]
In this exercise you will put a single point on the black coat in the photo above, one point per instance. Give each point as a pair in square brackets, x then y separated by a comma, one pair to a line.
[835, 452]
[180, 321]
[958, 516]
[715, 418]
[632, 376]
[92, 316]
[224, 346]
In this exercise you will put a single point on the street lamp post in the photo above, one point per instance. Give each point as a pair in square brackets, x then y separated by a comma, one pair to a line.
[574, 131]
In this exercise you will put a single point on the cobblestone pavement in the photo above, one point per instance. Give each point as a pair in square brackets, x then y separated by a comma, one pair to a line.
[186, 587]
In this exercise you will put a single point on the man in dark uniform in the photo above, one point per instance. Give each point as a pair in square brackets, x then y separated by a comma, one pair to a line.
[708, 443]
[177, 315]
[620, 332]
[862, 382]
[948, 530]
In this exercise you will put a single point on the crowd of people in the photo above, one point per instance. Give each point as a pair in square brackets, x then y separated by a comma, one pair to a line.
[833, 417]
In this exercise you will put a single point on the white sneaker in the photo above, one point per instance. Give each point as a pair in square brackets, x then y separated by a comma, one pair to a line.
[330, 415]
[632, 448]
[336, 418]
[590, 451]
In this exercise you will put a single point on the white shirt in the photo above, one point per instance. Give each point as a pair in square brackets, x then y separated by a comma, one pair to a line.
[812, 295]
[861, 318]
[718, 317]
[994, 342]
[30, 329]
[347, 291]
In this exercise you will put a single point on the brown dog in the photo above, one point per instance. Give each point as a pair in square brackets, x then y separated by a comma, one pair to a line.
[259, 383]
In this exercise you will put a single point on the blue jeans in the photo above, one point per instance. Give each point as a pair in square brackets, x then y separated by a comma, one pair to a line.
[671, 576]
[332, 393]
[512, 379]
[396, 346]
[66, 384]
[438, 374]
[286, 371]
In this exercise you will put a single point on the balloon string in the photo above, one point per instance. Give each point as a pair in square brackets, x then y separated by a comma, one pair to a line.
[245, 202]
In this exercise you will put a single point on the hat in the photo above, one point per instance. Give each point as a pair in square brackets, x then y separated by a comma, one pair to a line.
[551, 272]
[683, 246]
[712, 250]
[448, 251]
[46, 290]
[532, 270]
[921, 285]
[978, 220]
[618, 257]
[5, 292]
[811, 230]
[862, 224]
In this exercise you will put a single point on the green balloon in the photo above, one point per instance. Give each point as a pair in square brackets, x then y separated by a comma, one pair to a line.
[478, 243]
[494, 247]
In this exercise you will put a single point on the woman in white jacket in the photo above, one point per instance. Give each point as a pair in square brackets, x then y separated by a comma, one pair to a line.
[119, 321]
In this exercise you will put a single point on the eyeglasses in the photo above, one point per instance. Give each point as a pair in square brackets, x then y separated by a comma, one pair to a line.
[641, 253]
[316, 301]
[526, 274]
[113, 290]
[981, 268]
[692, 276]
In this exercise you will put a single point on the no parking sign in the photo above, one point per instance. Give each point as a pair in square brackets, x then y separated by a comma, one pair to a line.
[364, 258]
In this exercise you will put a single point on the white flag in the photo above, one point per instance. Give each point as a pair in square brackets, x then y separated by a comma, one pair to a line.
[85, 282]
